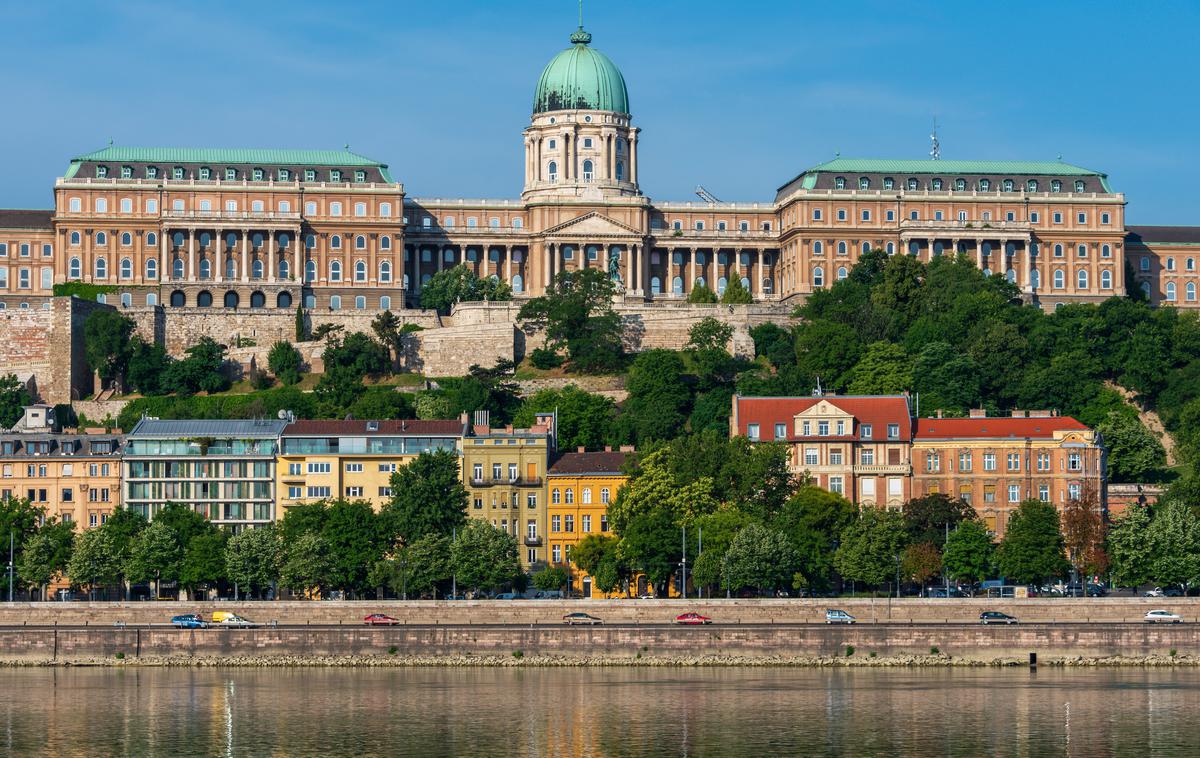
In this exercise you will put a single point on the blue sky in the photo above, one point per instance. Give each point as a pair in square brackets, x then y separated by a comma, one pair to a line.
[738, 97]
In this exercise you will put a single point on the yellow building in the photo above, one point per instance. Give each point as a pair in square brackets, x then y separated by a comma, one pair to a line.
[581, 485]
[504, 471]
[75, 477]
[353, 459]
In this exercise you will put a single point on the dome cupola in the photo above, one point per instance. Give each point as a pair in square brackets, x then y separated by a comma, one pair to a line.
[580, 78]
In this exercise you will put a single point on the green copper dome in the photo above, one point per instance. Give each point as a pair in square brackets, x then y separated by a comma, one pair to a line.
[580, 78]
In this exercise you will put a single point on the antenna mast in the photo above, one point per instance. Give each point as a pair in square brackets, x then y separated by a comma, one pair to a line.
[935, 149]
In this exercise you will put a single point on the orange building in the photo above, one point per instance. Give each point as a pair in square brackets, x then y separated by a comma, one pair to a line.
[581, 486]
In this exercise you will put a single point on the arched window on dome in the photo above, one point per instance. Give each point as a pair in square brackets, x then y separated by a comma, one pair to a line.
[587, 171]
[818, 277]
[552, 171]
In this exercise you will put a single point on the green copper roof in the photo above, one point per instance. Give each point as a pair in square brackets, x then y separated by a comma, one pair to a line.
[872, 165]
[580, 78]
[228, 155]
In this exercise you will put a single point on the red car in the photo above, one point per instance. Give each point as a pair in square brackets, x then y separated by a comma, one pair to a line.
[691, 617]
[380, 619]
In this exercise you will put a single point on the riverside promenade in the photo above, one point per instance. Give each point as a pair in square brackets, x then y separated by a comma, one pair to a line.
[787, 631]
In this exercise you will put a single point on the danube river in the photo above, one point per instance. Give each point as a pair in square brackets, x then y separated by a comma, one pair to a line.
[598, 712]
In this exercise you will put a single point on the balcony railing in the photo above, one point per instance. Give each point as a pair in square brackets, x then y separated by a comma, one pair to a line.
[882, 468]
[416, 230]
[665, 235]
[980, 228]
[521, 481]
[230, 215]
[533, 541]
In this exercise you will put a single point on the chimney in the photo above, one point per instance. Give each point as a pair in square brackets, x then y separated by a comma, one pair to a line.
[939, 412]
[979, 413]
[581, 449]
[464, 418]
[1016, 413]
[608, 448]
[627, 448]
[508, 428]
[1039, 414]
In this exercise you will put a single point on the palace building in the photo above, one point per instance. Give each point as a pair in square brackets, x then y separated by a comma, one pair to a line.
[331, 229]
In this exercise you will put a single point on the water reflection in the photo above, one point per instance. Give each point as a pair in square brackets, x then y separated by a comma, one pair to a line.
[598, 712]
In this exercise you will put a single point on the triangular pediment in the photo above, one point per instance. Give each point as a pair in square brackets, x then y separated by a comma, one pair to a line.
[823, 409]
[592, 224]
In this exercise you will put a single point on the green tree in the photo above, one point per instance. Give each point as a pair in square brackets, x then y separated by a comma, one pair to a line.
[307, 565]
[387, 330]
[106, 343]
[382, 403]
[718, 530]
[736, 293]
[814, 519]
[483, 556]
[354, 537]
[550, 578]
[1134, 454]
[1033, 549]
[775, 343]
[46, 554]
[94, 561]
[301, 324]
[758, 557]
[598, 555]
[968, 553]
[658, 398]
[709, 334]
[1131, 547]
[284, 362]
[584, 419]
[428, 497]
[929, 518]
[148, 367]
[921, 562]
[1083, 534]
[427, 563]
[578, 317]
[154, 555]
[358, 353]
[884, 369]
[900, 293]
[460, 284]
[200, 371]
[252, 559]
[701, 294]
[871, 547]
[301, 519]
[203, 561]
[13, 399]
[1175, 539]
[828, 351]
[946, 378]
[338, 388]
[124, 526]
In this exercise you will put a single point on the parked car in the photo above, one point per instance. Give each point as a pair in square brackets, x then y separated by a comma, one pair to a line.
[510, 596]
[579, 617]
[189, 621]
[1173, 592]
[835, 616]
[996, 617]
[1156, 592]
[1162, 617]
[380, 619]
[691, 617]
[226, 618]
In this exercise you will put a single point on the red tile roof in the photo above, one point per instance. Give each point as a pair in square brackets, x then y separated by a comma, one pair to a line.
[996, 427]
[598, 462]
[391, 427]
[878, 411]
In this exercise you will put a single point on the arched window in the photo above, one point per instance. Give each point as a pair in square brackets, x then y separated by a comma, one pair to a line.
[1032, 185]
[360, 302]
[335, 209]
[177, 269]
[385, 242]
[204, 299]
[285, 270]
[1105, 280]
[335, 242]
[841, 248]
[385, 272]
[285, 206]
[205, 239]
[126, 268]
[1035, 278]
[818, 277]
[1058, 251]
[310, 241]
[101, 268]
[587, 171]
[552, 171]
[151, 268]
[1060, 279]
[360, 242]
[75, 270]
[101, 239]
[891, 248]
[1146, 289]
[360, 271]
[335, 271]
[335, 302]
[1008, 185]
[231, 299]
[101, 205]
[866, 247]
[1170, 264]
[818, 248]
[205, 269]
[518, 284]
[1083, 251]
[385, 210]
[177, 239]
[1081, 279]
[151, 299]
[385, 303]
[841, 272]
[151, 239]
[984, 185]
[655, 285]
[360, 209]
[914, 247]
[178, 299]
[746, 283]
[74, 239]
[126, 239]
[284, 240]
[310, 271]
[1170, 291]
[1191, 292]
[1011, 276]
[231, 267]
[1105, 251]
[256, 269]
[677, 286]
[938, 248]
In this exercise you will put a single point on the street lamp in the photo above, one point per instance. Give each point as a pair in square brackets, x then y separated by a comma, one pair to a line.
[404, 577]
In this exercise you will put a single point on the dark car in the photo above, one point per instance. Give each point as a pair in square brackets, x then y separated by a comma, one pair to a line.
[189, 621]
[996, 617]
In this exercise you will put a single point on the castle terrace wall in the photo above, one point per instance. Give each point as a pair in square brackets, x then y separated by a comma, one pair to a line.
[48, 343]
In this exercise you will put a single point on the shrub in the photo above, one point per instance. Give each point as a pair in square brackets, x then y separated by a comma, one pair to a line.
[934, 650]
[518, 654]
[871, 654]
[849, 650]
[284, 362]
[1172, 652]
[545, 358]
[393, 650]
[261, 380]
[120, 656]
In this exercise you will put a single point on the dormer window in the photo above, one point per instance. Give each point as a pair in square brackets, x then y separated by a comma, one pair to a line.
[1056, 185]
[960, 185]
[101, 172]
[360, 176]
[177, 172]
[284, 175]
[1079, 185]
[1008, 185]
[839, 182]
[151, 172]
[913, 184]
[335, 175]
[864, 182]
[126, 172]
[230, 174]
[1031, 185]
[893, 431]
[865, 431]
[257, 175]
[889, 183]
[937, 184]
[985, 185]
[310, 175]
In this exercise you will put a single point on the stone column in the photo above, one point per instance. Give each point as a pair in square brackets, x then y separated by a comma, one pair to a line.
[298, 262]
[271, 256]
[979, 254]
[441, 254]
[633, 165]
[507, 264]
[1027, 268]
[692, 267]
[164, 272]
[191, 255]
[245, 255]
[218, 255]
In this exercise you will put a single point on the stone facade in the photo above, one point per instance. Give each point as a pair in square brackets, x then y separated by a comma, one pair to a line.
[47, 343]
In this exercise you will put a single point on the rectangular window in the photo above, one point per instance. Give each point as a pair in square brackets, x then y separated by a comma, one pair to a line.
[989, 493]
[811, 456]
[822, 428]
[496, 471]
[841, 427]
[895, 487]
[385, 491]
[868, 487]
[752, 431]
[1081, 218]
[556, 523]
[866, 215]
[294, 469]
[1043, 462]
[816, 215]
[387, 467]
[933, 462]
[318, 491]
[835, 485]
[1014, 493]
[1033, 217]
[1044, 493]
[1057, 217]
[964, 461]
[893, 431]
[989, 461]
[806, 428]
[319, 468]
[866, 457]
[556, 554]
[780, 431]
[1074, 462]
[568, 523]
[835, 457]
[354, 468]
[841, 214]
[295, 493]
[1105, 218]
[864, 431]
[531, 500]
[1074, 491]
[1014, 461]
[478, 503]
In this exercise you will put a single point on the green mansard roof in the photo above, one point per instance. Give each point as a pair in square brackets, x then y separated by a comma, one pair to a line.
[228, 155]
